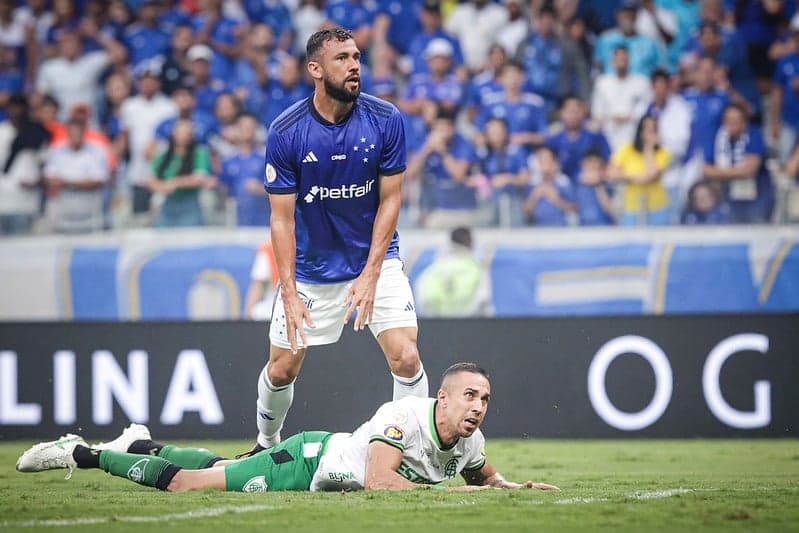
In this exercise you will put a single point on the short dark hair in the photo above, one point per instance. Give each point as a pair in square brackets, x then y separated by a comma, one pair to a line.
[318, 40]
[740, 108]
[462, 236]
[659, 74]
[511, 63]
[550, 149]
[457, 368]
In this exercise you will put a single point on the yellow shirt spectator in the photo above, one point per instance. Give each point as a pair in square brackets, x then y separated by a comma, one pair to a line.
[651, 196]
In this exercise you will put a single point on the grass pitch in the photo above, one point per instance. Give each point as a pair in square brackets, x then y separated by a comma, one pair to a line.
[636, 485]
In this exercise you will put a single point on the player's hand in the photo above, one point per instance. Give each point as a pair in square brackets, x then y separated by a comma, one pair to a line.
[297, 314]
[539, 486]
[361, 296]
[470, 488]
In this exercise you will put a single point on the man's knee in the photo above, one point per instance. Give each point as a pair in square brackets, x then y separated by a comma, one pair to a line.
[405, 361]
[281, 374]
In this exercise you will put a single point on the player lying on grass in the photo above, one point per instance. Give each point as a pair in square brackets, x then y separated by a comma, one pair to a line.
[409, 443]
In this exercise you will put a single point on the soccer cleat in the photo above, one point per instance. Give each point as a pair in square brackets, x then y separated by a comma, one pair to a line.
[255, 449]
[51, 455]
[130, 434]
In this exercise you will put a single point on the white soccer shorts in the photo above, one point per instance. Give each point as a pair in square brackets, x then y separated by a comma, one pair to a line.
[393, 308]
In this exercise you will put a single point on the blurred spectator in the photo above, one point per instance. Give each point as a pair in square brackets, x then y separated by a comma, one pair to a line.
[72, 77]
[737, 160]
[505, 166]
[21, 143]
[759, 22]
[514, 31]
[785, 98]
[74, 175]
[553, 64]
[251, 70]
[139, 117]
[645, 55]
[81, 113]
[288, 88]
[173, 14]
[585, 40]
[117, 90]
[430, 19]
[221, 35]
[222, 138]
[176, 67]
[455, 284]
[551, 196]
[12, 29]
[357, 16]
[524, 113]
[263, 283]
[673, 116]
[144, 38]
[707, 104]
[573, 138]
[274, 15]
[656, 21]
[307, 19]
[442, 165]
[486, 82]
[178, 174]
[242, 175]
[730, 53]
[704, 205]
[203, 124]
[11, 81]
[688, 17]
[396, 21]
[640, 165]
[592, 194]
[476, 24]
[65, 20]
[436, 85]
[600, 14]
[97, 19]
[616, 95]
[206, 87]
[37, 18]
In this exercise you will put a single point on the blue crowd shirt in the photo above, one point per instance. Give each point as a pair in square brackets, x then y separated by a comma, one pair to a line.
[545, 213]
[784, 75]
[251, 209]
[333, 170]
[706, 122]
[449, 90]
[645, 53]
[272, 13]
[145, 43]
[527, 115]
[589, 208]
[753, 144]
[404, 17]
[512, 160]
[420, 41]
[483, 85]
[203, 124]
[224, 31]
[543, 62]
[277, 98]
[571, 151]
[447, 193]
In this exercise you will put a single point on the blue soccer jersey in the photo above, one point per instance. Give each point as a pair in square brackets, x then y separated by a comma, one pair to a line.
[333, 170]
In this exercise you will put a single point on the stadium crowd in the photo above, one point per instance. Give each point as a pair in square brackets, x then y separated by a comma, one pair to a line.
[121, 113]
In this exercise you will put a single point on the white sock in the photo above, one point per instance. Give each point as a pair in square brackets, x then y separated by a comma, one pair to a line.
[273, 404]
[415, 386]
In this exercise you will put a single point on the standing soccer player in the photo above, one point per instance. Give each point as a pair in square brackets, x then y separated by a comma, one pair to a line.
[335, 165]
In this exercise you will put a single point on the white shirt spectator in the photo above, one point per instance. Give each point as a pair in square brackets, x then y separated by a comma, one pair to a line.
[512, 35]
[307, 20]
[140, 117]
[78, 210]
[13, 33]
[17, 196]
[476, 29]
[41, 23]
[72, 82]
[614, 102]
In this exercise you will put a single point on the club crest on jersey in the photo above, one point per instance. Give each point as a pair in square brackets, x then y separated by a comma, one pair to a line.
[256, 484]
[451, 468]
[393, 433]
[136, 472]
[271, 173]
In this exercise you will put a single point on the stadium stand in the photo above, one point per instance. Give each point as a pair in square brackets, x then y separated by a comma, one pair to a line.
[126, 71]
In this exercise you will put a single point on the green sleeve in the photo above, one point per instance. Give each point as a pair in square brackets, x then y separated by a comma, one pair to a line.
[202, 160]
[156, 163]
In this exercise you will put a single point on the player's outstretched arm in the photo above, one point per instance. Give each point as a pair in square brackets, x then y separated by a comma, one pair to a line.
[489, 477]
[382, 462]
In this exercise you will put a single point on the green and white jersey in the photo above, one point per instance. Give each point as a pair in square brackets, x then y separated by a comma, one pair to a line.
[409, 425]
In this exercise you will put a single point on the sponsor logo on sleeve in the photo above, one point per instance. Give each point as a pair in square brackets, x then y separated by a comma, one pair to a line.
[393, 433]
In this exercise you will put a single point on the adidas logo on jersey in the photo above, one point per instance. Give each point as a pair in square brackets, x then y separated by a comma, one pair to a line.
[310, 158]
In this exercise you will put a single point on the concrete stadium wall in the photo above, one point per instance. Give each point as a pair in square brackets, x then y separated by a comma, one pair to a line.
[675, 376]
[203, 273]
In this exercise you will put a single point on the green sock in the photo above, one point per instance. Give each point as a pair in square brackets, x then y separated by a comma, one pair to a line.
[188, 458]
[144, 470]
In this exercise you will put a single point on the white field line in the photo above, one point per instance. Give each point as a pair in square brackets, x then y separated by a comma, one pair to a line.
[218, 511]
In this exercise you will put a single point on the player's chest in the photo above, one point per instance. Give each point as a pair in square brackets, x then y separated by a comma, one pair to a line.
[339, 155]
